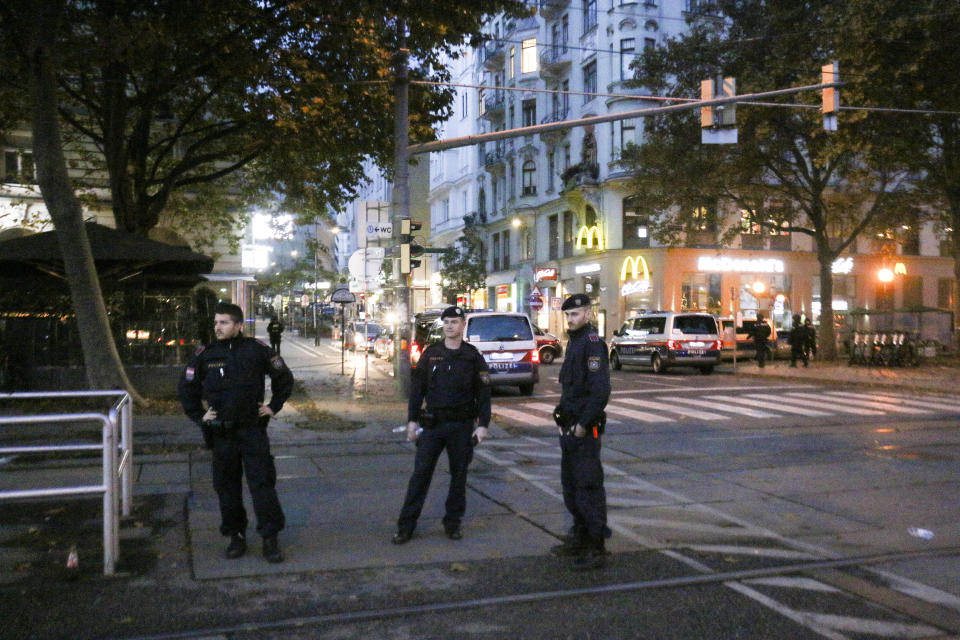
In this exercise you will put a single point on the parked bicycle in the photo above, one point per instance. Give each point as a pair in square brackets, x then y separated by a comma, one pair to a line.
[885, 349]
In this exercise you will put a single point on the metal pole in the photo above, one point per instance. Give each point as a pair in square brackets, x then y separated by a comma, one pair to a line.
[341, 338]
[401, 201]
[316, 278]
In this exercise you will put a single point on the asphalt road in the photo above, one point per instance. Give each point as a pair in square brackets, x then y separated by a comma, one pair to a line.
[742, 507]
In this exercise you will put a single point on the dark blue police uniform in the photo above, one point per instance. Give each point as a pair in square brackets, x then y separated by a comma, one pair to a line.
[585, 383]
[229, 375]
[456, 386]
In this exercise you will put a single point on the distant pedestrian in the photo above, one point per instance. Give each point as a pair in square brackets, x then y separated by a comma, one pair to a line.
[811, 346]
[222, 390]
[275, 331]
[798, 342]
[761, 336]
[585, 390]
[453, 378]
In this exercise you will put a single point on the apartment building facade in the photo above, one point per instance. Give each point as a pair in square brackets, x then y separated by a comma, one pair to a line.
[558, 214]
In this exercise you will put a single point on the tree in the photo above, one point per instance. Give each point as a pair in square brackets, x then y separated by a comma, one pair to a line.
[463, 268]
[902, 55]
[175, 94]
[785, 171]
[36, 31]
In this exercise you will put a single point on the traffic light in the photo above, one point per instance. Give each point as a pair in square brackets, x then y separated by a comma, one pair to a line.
[408, 250]
[718, 123]
[831, 95]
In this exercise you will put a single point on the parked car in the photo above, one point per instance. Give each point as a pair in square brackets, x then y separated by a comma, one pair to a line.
[383, 345]
[507, 343]
[661, 340]
[365, 341]
[548, 345]
[743, 340]
[423, 323]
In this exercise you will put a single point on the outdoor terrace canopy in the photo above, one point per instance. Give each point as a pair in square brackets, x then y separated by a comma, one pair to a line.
[119, 256]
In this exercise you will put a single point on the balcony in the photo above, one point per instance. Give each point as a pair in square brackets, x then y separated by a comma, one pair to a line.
[494, 105]
[555, 60]
[495, 159]
[554, 116]
[550, 9]
[577, 175]
[493, 52]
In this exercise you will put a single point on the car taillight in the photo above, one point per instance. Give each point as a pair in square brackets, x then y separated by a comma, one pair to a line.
[718, 344]
[673, 345]
[535, 356]
[414, 353]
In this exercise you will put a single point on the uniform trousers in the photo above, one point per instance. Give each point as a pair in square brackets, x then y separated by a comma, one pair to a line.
[581, 474]
[455, 438]
[246, 450]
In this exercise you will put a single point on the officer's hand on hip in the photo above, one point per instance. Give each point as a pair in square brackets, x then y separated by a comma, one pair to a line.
[579, 431]
[265, 410]
[480, 433]
[412, 427]
[209, 415]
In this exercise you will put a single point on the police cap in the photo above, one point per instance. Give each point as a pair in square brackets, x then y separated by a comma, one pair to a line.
[452, 312]
[576, 301]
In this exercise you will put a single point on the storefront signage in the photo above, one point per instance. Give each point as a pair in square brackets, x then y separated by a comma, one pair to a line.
[743, 265]
[842, 265]
[503, 290]
[634, 286]
[634, 266]
[545, 273]
[591, 267]
[588, 236]
[556, 303]
[900, 269]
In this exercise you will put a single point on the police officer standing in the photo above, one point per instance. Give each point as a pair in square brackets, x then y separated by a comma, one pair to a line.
[799, 342]
[585, 382]
[228, 376]
[275, 331]
[761, 334]
[453, 378]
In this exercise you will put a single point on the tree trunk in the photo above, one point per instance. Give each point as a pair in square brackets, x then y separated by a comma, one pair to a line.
[103, 367]
[827, 347]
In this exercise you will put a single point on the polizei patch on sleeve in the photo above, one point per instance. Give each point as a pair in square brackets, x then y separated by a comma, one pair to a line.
[277, 363]
[593, 364]
[190, 374]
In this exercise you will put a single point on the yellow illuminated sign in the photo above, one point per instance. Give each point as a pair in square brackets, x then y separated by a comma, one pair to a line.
[633, 265]
[588, 235]
[900, 269]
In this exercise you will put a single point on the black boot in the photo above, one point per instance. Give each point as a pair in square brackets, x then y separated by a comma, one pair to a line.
[237, 547]
[271, 549]
[573, 544]
[593, 556]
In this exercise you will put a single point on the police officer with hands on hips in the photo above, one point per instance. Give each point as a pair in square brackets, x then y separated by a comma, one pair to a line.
[453, 378]
[585, 382]
[228, 376]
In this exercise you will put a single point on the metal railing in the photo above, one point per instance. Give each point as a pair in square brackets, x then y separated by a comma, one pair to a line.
[117, 450]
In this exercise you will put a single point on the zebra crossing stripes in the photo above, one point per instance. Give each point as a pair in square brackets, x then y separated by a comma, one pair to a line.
[865, 402]
[720, 403]
[782, 408]
[782, 399]
[665, 406]
[642, 416]
[529, 419]
[925, 402]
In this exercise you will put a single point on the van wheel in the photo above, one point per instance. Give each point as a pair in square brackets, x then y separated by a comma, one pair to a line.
[546, 356]
[706, 370]
[656, 363]
[526, 389]
[615, 361]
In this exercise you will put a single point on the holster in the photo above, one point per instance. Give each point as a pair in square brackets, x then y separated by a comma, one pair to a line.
[565, 420]
[427, 419]
[211, 429]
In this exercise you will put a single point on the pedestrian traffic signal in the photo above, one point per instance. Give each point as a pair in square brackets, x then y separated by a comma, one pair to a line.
[831, 95]
[408, 250]
[718, 123]
[407, 254]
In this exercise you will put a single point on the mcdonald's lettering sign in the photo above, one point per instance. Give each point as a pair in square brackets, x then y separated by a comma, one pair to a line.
[633, 265]
[900, 269]
[587, 236]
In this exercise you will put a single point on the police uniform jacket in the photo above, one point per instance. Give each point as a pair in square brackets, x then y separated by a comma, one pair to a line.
[585, 376]
[229, 375]
[451, 380]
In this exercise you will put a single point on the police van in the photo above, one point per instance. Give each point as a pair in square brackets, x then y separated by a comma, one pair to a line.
[509, 346]
[665, 339]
